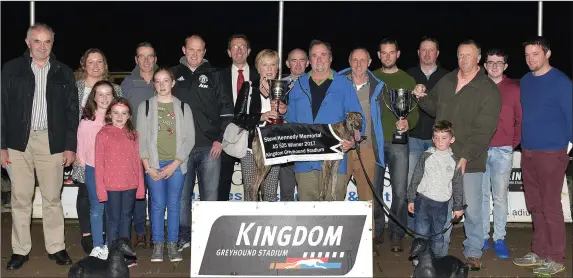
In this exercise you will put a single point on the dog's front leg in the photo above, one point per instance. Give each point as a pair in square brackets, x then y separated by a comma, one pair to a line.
[334, 178]
[324, 184]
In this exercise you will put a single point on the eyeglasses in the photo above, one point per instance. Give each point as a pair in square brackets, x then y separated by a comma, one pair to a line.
[236, 47]
[498, 63]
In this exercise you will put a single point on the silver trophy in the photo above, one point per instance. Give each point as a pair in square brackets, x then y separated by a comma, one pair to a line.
[278, 90]
[401, 102]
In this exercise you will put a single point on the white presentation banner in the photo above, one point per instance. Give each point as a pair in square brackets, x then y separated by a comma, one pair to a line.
[281, 239]
[517, 211]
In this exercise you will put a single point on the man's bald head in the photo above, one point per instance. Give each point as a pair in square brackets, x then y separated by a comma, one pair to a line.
[297, 62]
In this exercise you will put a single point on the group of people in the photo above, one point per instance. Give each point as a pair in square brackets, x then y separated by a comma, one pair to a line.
[153, 135]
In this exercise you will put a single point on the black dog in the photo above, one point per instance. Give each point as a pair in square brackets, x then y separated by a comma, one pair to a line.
[428, 266]
[113, 267]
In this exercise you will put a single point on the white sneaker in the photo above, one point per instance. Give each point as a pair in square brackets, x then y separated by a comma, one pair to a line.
[100, 252]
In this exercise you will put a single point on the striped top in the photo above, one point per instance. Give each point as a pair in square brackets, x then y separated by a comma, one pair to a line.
[40, 105]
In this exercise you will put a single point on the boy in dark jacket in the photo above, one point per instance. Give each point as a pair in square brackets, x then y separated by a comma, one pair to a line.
[435, 180]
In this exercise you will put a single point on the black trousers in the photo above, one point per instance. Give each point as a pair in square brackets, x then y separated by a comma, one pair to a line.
[287, 182]
[226, 178]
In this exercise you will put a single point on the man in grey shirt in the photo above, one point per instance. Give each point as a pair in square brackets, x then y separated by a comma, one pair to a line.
[137, 88]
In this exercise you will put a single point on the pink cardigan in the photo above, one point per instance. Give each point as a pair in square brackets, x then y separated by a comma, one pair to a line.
[87, 131]
[117, 163]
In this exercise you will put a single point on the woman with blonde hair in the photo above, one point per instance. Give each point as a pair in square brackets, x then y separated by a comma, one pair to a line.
[252, 109]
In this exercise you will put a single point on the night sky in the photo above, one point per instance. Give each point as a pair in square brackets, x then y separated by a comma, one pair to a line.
[117, 27]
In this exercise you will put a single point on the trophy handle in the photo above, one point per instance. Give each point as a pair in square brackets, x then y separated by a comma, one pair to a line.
[385, 103]
[415, 104]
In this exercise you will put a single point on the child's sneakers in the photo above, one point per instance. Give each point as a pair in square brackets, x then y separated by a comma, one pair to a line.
[100, 252]
[157, 255]
[172, 252]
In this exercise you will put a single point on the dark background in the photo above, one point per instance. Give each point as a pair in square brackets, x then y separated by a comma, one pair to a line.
[117, 27]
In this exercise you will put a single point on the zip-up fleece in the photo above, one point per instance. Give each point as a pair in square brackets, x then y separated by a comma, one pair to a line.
[473, 112]
[203, 91]
[136, 91]
[376, 106]
[436, 178]
[340, 98]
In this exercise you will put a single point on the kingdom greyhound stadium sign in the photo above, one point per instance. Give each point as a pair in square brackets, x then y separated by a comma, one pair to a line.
[260, 239]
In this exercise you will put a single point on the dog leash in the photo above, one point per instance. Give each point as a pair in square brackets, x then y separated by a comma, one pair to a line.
[387, 210]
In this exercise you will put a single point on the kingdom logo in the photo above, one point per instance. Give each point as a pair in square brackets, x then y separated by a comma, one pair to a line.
[256, 245]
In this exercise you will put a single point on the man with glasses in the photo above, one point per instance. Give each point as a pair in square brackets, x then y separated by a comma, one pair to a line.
[232, 78]
[500, 153]
[137, 88]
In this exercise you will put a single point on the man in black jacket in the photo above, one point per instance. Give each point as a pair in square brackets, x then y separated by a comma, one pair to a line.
[198, 85]
[428, 72]
[39, 131]
[232, 78]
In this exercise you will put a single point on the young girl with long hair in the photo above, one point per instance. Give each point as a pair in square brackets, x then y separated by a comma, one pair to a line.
[167, 137]
[118, 172]
[93, 119]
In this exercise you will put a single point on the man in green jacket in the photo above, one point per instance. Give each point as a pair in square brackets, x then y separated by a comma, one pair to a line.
[470, 100]
[395, 154]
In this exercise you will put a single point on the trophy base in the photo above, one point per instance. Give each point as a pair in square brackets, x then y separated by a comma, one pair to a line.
[277, 121]
[398, 138]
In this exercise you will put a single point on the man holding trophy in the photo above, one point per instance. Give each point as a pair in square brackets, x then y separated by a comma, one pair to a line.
[399, 115]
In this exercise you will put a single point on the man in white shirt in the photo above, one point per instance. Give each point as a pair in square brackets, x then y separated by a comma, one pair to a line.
[232, 79]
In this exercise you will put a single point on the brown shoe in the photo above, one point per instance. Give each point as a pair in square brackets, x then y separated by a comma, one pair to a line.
[474, 264]
[396, 245]
[140, 242]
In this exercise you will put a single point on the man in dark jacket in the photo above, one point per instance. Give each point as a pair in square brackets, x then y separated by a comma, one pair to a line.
[232, 78]
[39, 131]
[428, 72]
[470, 100]
[198, 85]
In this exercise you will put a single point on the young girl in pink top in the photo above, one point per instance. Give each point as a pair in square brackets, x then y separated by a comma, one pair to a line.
[92, 121]
[118, 171]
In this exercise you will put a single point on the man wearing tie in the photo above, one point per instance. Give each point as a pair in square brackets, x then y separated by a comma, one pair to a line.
[232, 78]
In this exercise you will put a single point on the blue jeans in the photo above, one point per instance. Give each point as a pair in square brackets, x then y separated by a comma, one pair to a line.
[119, 210]
[165, 193]
[473, 224]
[140, 212]
[417, 148]
[496, 181]
[396, 156]
[96, 208]
[430, 218]
[208, 172]
[379, 216]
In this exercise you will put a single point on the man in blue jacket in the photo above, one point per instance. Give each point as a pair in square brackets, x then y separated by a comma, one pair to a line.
[368, 89]
[321, 96]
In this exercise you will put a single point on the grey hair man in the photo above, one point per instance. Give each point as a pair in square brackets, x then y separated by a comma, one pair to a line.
[39, 134]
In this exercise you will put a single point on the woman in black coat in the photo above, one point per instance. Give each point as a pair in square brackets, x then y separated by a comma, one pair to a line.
[252, 109]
